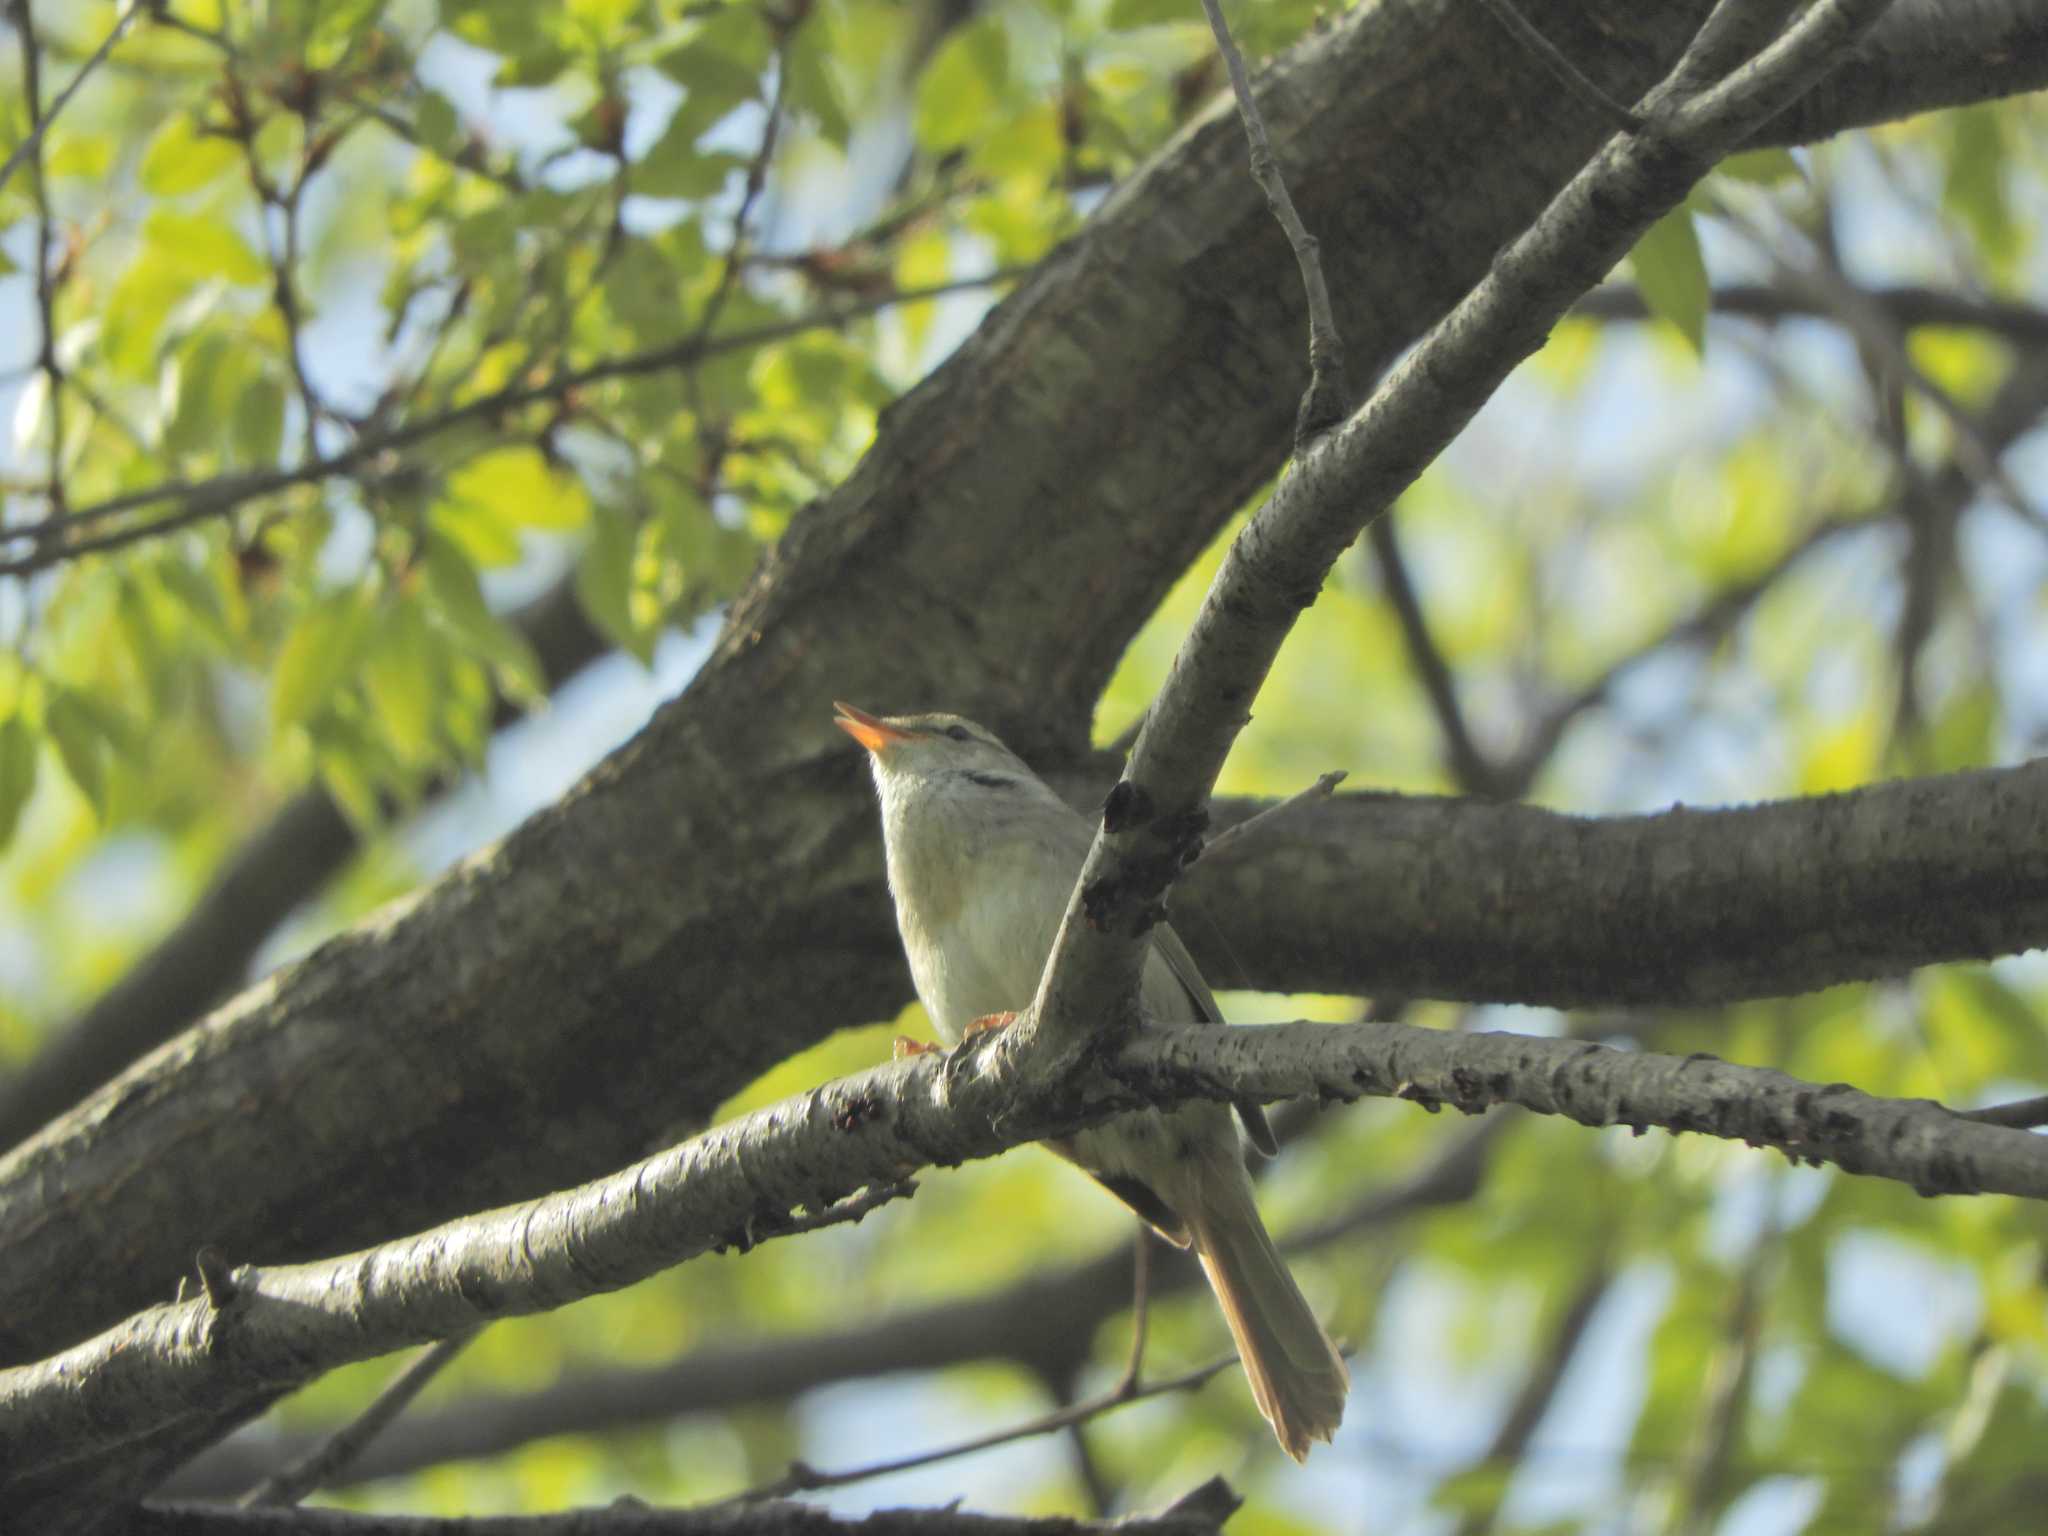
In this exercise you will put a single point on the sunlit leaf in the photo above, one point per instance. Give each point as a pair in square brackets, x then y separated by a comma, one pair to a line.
[18, 757]
[1673, 276]
[203, 247]
[320, 651]
[181, 159]
[459, 603]
[961, 84]
[520, 489]
[604, 582]
[81, 746]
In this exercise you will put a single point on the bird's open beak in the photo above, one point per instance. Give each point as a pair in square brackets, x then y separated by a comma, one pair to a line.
[871, 731]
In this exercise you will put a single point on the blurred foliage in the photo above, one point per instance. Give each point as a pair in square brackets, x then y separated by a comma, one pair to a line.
[450, 244]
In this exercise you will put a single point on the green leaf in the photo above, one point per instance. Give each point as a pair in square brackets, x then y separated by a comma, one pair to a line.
[1763, 167]
[87, 156]
[604, 583]
[399, 675]
[522, 490]
[203, 247]
[258, 420]
[684, 171]
[18, 759]
[1672, 275]
[80, 746]
[963, 84]
[1974, 190]
[200, 598]
[316, 655]
[459, 604]
[181, 159]
[1124, 15]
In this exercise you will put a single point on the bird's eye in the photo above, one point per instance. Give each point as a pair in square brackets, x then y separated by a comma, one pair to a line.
[959, 733]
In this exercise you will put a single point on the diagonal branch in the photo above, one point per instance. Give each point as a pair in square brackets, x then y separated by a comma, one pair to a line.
[99, 1423]
[1152, 823]
[31, 143]
[1041, 1323]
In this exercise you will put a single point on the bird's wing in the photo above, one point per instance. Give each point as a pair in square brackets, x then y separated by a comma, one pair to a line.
[1167, 945]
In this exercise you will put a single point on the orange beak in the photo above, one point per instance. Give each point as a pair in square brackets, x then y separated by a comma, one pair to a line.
[871, 731]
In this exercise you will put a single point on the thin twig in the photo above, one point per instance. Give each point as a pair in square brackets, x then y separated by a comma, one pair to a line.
[1328, 398]
[1471, 769]
[1553, 59]
[334, 1454]
[1539, 1388]
[220, 494]
[1141, 1304]
[2019, 1115]
[31, 145]
[46, 283]
[1907, 306]
[1324, 786]
[802, 1478]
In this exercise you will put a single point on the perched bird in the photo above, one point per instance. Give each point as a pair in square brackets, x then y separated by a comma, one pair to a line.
[982, 857]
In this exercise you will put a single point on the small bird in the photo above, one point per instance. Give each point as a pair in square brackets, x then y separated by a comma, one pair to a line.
[982, 857]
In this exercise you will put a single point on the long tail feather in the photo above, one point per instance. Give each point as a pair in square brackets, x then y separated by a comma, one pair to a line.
[1297, 1377]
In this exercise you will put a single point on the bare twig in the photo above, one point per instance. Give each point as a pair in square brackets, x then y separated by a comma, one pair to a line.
[801, 1478]
[41, 120]
[2021, 1114]
[1906, 306]
[1324, 786]
[57, 538]
[1539, 1388]
[1553, 59]
[1201, 1513]
[1470, 769]
[335, 1454]
[1328, 398]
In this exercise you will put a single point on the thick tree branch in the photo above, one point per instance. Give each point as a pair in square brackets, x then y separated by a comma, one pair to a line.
[1415, 897]
[1924, 55]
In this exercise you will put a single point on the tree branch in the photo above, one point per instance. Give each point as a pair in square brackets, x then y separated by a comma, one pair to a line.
[1041, 1323]
[99, 1423]
[1459, 899]
[65, 535]
[31, 143]
[1907, 306]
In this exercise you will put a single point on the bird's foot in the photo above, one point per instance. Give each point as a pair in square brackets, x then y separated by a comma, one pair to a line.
[905, 1046]
[987, 1022]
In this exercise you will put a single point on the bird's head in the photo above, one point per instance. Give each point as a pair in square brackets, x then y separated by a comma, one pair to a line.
[910, 748]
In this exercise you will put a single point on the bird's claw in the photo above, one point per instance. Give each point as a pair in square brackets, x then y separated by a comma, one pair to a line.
[904, 1046]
